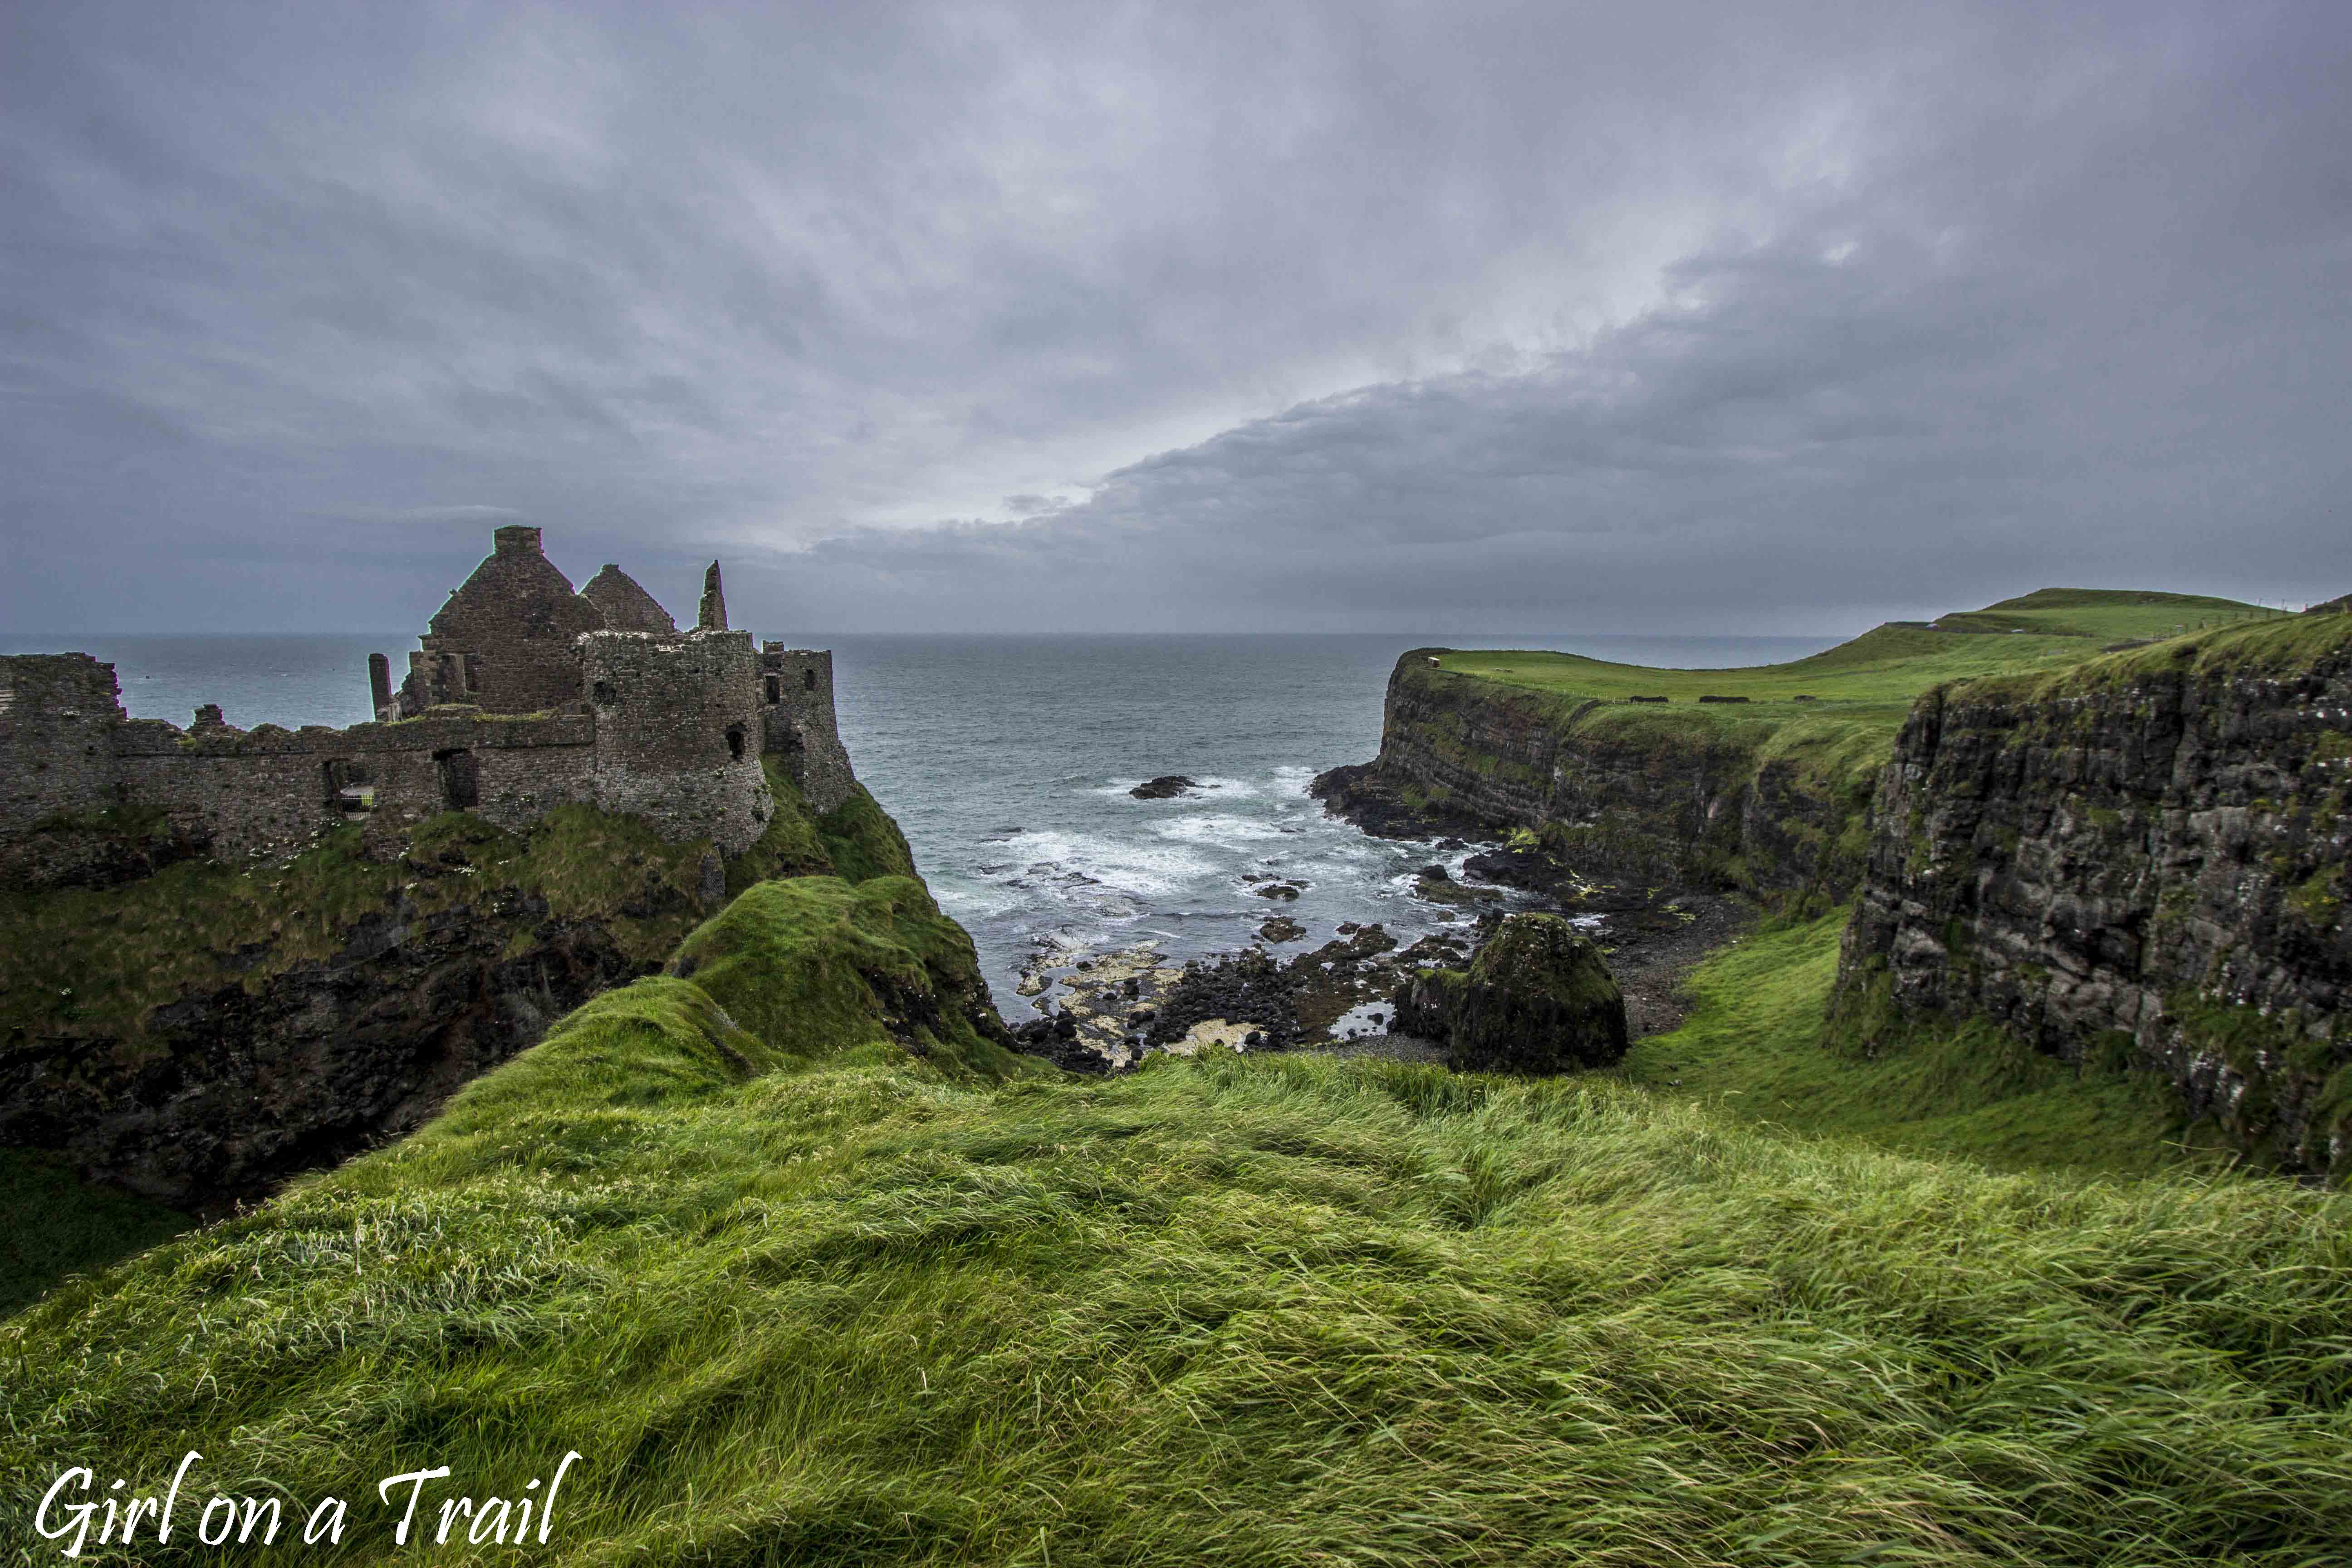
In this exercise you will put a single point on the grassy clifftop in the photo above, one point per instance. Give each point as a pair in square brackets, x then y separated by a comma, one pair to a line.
[1783, 761]
[804, 1285]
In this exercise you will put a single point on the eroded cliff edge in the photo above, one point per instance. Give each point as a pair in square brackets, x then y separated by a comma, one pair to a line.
[1742, 796]
[199, 1034]
[2143, 858]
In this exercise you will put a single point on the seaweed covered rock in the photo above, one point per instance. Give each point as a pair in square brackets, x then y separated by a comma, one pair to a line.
[1538, 998]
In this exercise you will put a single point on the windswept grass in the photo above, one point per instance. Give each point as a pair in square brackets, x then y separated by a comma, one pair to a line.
[888, 1309]
[1753, 1050]
[92, 963]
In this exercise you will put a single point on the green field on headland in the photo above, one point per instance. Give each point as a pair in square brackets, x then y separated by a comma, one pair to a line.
[1488, 735]
[1877, 674]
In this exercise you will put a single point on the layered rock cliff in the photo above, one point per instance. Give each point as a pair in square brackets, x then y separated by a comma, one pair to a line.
[1619, 791]
[199, 1034]
[2144, 859]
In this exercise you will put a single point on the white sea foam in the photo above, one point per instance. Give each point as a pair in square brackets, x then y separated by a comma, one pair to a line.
[1222, 828]
[1145, 867]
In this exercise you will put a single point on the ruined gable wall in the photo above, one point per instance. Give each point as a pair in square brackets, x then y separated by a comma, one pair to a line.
[512, 625]
[627, 606]
[678, 732]
[798, 726]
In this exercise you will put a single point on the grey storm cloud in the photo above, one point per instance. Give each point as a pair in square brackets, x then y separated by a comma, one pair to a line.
[1778, 317]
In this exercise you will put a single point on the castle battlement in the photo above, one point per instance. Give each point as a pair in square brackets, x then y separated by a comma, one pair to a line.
[523, 697]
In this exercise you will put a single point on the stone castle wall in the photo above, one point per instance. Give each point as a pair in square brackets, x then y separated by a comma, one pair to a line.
[679, 730]
[57, 714]
[523, 697]
[233, 794]
[798, 724]
[510, 628]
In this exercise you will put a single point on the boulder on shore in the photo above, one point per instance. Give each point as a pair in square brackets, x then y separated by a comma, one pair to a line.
[1536, 999]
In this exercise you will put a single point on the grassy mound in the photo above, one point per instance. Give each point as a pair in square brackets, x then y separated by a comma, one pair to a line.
[800, 1304]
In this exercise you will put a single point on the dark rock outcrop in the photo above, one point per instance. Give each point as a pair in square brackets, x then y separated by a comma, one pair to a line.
[1538, 998]
[2145, 862]
[1167, 786]
[228, 1091]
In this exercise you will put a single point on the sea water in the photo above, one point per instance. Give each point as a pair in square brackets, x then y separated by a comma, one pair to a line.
[1008, 760]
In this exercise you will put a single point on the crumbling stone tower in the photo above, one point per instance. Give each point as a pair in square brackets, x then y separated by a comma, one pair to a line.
[678, 729]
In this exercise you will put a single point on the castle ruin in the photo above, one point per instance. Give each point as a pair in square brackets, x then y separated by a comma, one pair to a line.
[524, 695]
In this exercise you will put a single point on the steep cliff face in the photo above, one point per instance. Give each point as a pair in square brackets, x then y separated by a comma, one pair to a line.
[1622, 791]
[202, 1033]
[2144, 859]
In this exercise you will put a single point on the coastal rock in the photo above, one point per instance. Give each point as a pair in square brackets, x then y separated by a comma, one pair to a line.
[1286, 892]
[1282, 927]
[1537, 999]
[1167, 786]
[1443, 889]
[2143, 864]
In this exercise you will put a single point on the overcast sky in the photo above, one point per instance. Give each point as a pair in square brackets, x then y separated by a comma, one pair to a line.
[1773, 316]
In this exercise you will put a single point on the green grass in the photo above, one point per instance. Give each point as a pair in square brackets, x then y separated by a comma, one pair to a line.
[2107, 614]
[1753, 1050]
[59, 1225]
[796, 1302]
[1878, 673]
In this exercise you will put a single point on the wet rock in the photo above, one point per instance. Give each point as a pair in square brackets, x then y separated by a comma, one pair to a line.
[1537, 999]
[1167, 786]
[1358, 792]
[1282, 927]
[1056, 1038]
[1443, 889]
[1236, 995]
[1287, 892]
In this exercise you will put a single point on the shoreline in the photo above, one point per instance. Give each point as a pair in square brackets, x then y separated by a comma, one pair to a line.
[1106, 1009]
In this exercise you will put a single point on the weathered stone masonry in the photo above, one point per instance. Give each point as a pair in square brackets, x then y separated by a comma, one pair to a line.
[520, 699]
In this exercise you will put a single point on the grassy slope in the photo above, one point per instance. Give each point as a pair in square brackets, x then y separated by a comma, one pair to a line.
[1753, 1050]
[800, 1296]
[94, 963]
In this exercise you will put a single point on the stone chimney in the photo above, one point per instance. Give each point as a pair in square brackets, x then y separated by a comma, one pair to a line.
[516, 539]
[712, 617]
